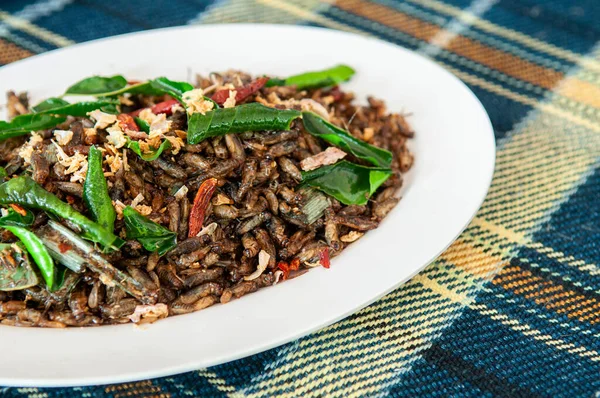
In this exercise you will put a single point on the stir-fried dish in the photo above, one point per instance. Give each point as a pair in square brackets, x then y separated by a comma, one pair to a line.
[130, 201]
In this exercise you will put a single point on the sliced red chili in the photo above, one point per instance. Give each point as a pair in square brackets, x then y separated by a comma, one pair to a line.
[241, 92]
[324, 257]
[18, 209]
[295, 264]
[133, 82]
[285, 268]
[126, 122]
[201, 201]
[164, 107]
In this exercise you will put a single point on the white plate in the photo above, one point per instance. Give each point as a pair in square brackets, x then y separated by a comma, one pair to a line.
[454, 149]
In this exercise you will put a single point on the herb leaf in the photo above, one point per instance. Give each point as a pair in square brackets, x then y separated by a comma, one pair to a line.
[25, 124]
[140, 88]
[316, 79]
[37, 251]
[80, 108]
[142, 124]
[97, 85]
[154, 237]
[48, 104]
[15, 219]
[173, 88]
[148, 156]
[321, 128]
[246, 117]
[26, 192]
[349, 183]
[50, 113]
[15, 276]
[95, 192]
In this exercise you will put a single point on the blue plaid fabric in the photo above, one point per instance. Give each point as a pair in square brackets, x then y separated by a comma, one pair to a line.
[512, 307]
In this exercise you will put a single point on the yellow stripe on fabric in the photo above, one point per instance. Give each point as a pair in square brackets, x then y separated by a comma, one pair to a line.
[32, 392]
[511, 34]
[473, 260]
[219, 383]
[35, 30]
[580, 90]
[525, 189]
[307, 15]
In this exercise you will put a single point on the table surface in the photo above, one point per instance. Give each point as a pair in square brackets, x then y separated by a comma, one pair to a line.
[512, 307]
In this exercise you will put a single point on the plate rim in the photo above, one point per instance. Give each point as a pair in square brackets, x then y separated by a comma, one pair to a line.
[161, 371]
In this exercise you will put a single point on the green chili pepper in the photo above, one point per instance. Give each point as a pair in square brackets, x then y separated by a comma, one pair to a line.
[25, 192]
[16, 272]
[154, 237]
[321, 128]
[95, 192]
[148, 156]
[25, 124]
[246, 117]
[349, 183]
[3, 173]
[97, 85]
[324, 78]
[37, 251]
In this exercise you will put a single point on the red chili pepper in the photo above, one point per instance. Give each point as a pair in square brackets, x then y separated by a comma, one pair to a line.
[324, 257]
[133, 82]
[241, 92]
[162, 107]
[336, 93]
[126, 122]
[285, 268]
[295, 264]
[201, 201]
[18, 209]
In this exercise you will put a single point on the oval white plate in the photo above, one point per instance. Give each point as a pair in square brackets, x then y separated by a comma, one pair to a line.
[454, 149]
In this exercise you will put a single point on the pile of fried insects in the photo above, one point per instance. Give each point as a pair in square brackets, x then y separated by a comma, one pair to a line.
[155, 198]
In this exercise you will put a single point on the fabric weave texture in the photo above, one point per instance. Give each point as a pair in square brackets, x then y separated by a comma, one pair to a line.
[511, 309]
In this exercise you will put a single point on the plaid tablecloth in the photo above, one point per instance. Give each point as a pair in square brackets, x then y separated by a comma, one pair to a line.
[512, 307]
